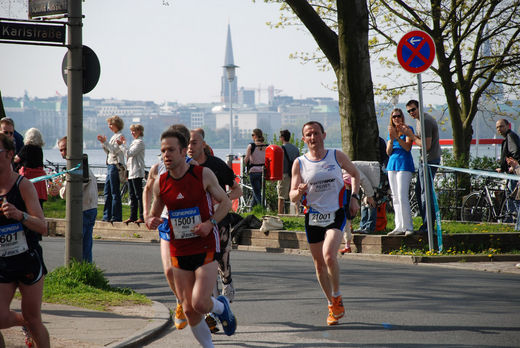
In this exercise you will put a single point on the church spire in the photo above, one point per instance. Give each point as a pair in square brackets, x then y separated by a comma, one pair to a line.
[224, 83]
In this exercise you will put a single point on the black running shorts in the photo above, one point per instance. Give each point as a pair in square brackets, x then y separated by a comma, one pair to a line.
[316, 234]
[27, 268]
[192, 262]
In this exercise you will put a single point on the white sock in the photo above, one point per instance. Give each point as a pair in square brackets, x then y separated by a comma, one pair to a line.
[202, 334]
[218, 307]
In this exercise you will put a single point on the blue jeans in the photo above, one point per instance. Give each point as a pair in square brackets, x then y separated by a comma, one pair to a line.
[89, 219]
[113, 210]
[135, 187]
[256, 183]
[420, 194]
[368, 218]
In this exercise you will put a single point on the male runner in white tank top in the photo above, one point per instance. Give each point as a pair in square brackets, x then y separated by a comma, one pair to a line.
[317, 178]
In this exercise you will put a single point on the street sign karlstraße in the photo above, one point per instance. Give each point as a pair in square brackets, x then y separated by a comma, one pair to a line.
[42, 8]
[32, 32]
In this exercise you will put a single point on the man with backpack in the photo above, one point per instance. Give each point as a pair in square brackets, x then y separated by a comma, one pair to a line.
[290, 153]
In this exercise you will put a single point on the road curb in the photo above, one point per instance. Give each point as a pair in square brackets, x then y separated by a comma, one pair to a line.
[158, 323]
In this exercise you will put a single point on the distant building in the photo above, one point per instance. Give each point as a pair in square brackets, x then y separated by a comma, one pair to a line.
[246, 97]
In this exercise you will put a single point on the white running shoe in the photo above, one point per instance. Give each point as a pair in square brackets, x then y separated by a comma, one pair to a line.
[229, 291]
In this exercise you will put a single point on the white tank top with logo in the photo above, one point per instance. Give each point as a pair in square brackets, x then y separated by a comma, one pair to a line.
[325, 182]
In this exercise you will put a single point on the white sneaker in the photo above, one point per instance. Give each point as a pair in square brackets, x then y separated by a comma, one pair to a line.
[517, 265]
[395, 233]
[409, 233]
[229, 291]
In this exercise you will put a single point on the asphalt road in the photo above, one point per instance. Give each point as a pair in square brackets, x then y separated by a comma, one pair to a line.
[279, 302]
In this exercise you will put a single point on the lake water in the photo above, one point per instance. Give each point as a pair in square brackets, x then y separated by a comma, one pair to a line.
[97, 157]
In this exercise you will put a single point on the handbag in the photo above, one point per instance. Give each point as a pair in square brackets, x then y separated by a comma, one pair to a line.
[270, 223]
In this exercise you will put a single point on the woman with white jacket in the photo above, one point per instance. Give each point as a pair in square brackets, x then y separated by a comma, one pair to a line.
[135, 165]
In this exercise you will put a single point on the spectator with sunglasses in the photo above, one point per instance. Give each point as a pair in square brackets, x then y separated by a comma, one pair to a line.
[433, 156]
[400, 170]
[7, 127]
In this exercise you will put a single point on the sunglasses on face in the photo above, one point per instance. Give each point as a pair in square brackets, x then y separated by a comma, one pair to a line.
[396, 116]
[8, 133]
[411, 110]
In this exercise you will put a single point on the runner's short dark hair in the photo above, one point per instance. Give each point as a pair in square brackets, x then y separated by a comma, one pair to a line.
[169, 133]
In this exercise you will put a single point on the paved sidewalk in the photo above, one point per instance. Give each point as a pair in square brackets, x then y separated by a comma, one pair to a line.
[78, 327]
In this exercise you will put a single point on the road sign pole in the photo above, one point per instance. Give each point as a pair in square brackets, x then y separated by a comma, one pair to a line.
[426, 174]
[74, 205]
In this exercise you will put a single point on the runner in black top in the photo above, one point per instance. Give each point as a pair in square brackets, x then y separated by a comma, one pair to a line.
[21, 262]
[225, 177]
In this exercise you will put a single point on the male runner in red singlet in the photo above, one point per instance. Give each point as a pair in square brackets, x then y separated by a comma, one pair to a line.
[187, 192]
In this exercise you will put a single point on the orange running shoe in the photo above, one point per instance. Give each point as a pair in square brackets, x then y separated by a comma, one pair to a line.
[180, 318]
[331, 320]
[338, 311]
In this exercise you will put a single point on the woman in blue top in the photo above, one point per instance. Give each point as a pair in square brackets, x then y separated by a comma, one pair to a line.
[400, 169]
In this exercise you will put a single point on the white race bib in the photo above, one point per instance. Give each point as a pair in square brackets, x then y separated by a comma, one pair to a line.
[321, 219]
[12, 240]
[184, 221]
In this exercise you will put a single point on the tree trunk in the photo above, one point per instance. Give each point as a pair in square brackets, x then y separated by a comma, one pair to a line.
[360, 133]
[352, 67]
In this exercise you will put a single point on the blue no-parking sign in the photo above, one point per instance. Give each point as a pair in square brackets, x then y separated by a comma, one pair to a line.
[416, 51]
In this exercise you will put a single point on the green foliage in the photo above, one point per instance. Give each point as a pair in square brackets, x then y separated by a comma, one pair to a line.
[84, 285]
[79, 272]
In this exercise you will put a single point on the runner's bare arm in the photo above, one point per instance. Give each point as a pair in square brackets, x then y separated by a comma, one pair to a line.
[148, 190]
[35, 221]
[153, 220]
[347, 164]
[235, 192]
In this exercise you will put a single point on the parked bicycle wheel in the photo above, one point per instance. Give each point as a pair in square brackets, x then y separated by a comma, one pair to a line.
[476, 208]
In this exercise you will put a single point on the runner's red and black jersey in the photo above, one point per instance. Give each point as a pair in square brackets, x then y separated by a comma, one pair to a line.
[183, 193]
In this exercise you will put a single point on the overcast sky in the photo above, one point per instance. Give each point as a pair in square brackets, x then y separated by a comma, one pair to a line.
[149, 51]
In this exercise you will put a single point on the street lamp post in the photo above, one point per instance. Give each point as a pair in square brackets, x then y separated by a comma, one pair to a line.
[230, 73]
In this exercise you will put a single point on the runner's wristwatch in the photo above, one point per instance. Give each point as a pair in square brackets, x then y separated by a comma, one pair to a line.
[213, 221]
[356, 196]
[25, 216]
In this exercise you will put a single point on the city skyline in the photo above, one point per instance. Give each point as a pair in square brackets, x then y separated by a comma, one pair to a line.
[172, 53]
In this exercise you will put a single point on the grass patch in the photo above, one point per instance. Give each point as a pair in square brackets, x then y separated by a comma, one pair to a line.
[84, 285]
[55, 208]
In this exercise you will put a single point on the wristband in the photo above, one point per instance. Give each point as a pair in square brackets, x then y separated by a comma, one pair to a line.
[213, 221]
[356, 196]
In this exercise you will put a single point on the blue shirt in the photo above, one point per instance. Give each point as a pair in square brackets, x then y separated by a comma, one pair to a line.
[400, 159]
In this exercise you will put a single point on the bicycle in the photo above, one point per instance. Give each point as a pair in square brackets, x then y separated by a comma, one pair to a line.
[488, 205]
[245, 202]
